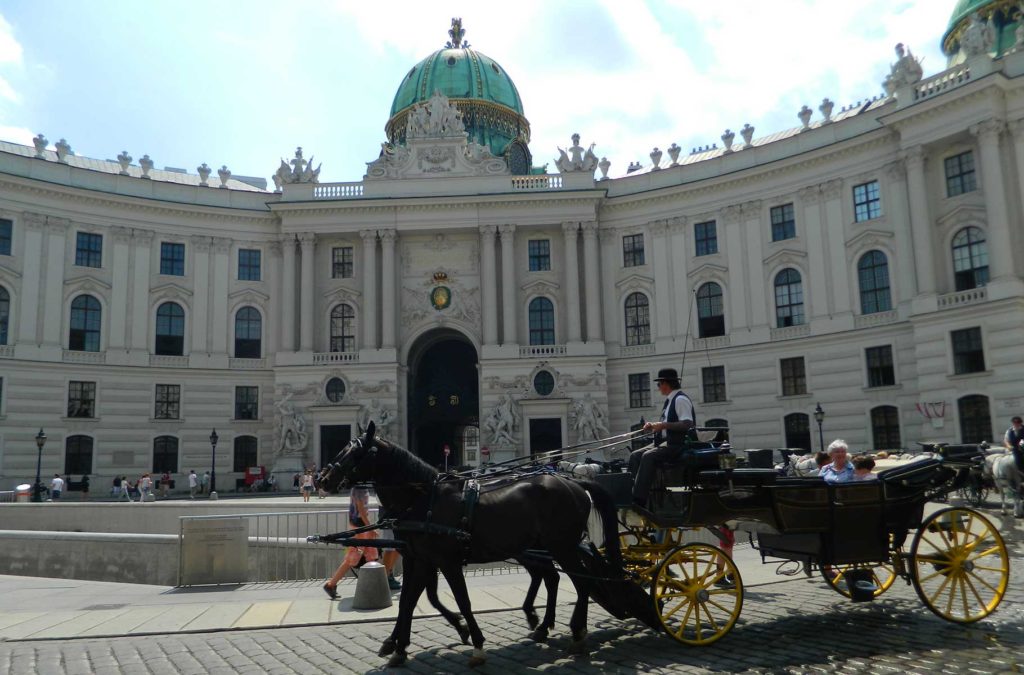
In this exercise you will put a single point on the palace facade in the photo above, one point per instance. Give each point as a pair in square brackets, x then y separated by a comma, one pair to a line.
[867, 261]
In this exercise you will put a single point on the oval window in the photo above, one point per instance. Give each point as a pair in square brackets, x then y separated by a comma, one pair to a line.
[335, 390]
[544, 383]
[451, 60]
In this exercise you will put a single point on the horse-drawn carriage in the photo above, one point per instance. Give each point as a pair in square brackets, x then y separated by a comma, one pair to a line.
[859, 536]
[856, 535]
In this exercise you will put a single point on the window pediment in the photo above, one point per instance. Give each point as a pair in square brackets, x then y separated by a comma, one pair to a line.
[964, 214]
[786, 256]
[635, 282]
[870, 239]
[540, 287]
[85, 284]
[9, 275]
[249, 296]
[336, 295]
[709, 271]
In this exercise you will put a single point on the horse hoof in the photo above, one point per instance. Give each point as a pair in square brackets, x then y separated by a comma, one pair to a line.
[463, 633]
[479, 658]
[539, 635]
[397, 659]
[578, 648]
[387, 648]
[532, 620]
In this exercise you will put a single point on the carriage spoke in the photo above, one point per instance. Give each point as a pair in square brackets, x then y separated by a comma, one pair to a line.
[994, 550]
[935, 547]
[951, 593]
[711, 620]
[721, 607]
[1001, 570]
[974, 591]
[675, 609]
[939, 590]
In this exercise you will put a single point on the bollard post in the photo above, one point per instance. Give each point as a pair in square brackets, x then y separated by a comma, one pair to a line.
[372, 590]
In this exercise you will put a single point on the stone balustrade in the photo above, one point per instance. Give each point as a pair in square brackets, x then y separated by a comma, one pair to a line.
[337, 190]
[163, 361]
[322, 358]
[71, 356]
[875, 319]
[542, 182]
[961, 298]
[541, 351]
[791, 332]
[247, 364]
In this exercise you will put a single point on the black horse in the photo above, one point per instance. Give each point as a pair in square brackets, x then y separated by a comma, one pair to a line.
[542, 512]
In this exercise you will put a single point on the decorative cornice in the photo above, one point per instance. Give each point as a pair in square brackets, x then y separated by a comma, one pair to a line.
[56, 225]
[659, 227]
[732, 214]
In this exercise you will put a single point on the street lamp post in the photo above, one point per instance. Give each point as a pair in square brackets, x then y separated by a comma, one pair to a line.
[213, 464]
[37, 489]
[819, 417]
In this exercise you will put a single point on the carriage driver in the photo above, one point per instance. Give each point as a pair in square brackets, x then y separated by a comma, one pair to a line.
[670, 434]
[1012, 438]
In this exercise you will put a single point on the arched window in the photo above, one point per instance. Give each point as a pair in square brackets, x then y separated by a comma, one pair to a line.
[248, 333]
[885, 427]
[170, 329]
[638, 319]
[542, 322]
[343, 329]
[245, 453]
[5, 314]
[873, 274]
[975, 419]
[722, 435]
[798, 431]
[85, 324]
[77, 456]
[789, 301]
[970, 259]
[710, 311]
[165, 454]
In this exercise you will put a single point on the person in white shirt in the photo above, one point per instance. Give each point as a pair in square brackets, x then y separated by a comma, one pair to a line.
[677, 418]
[56, 487]
[145, 485]
[193, 483]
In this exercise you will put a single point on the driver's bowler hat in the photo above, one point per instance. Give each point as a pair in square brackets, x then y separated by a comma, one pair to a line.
[667, 375]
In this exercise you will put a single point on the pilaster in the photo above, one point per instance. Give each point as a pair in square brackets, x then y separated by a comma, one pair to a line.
[53, 272]
[139, 291]
[572, 281]
[389, 299]
[489, 280]
[221, 272]
[592, 277]
[369, 318]
[999, 246]
[201, 307]
[920, 221]
[121, 266]
[32, 284]
[508, 285]
[288, 292]
[307, 241]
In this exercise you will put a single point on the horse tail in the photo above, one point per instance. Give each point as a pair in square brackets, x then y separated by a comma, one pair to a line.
[606, 508]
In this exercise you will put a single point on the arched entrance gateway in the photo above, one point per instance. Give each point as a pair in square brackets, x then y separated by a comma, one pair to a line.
[444, 397]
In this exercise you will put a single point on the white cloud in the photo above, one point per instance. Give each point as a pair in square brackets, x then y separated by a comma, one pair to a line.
[19, 135]
[10, 56]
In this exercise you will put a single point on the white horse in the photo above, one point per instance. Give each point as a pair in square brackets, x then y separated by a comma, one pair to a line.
[1008, 479]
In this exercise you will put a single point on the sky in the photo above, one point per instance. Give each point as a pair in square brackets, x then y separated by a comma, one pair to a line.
[243, 83]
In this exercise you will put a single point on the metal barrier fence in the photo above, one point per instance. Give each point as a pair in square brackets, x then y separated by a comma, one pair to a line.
[6, 496]
[276, 548]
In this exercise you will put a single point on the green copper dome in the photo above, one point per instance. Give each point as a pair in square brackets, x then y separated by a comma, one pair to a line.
[481, 89]
[1002, 13]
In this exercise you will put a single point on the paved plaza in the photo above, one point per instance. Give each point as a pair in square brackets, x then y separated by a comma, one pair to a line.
[788, 624]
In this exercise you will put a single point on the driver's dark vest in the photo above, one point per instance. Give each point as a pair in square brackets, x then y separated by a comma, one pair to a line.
[669, 414]
[1015, 438]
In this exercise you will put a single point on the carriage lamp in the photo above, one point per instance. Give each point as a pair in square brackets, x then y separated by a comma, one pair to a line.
[213, 464]
[819, 417]
[37, 489]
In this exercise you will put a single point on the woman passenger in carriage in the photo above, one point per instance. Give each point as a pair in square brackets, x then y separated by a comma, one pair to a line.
[840, 470]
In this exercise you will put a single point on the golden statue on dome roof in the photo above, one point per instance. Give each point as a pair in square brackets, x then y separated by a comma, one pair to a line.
[456, 34]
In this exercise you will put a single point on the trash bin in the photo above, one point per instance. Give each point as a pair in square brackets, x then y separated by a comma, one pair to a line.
[23, 493]
[760, 458]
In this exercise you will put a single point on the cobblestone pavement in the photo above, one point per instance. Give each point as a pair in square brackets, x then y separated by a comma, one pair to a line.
[797, 625]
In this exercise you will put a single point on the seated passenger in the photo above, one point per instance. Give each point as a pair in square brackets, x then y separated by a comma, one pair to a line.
[863, 465]
[839, 470]
[670, 434]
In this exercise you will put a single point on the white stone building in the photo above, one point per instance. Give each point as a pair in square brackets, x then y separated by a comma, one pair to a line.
[867, 260]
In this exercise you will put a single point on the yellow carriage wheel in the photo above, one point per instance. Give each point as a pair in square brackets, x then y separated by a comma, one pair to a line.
[960, 565]
[692, 594]
[882, 575]
[644, 546]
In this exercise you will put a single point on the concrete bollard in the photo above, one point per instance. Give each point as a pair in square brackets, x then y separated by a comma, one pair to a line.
[372, 590]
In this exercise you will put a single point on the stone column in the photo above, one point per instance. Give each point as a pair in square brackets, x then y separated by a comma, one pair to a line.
[220, 273]
[53, 273]
[389, 300]
[920, 220]
[120, 264]
[369, 318]
[143, 319]
[999, 246]
[902, 268]
[592, 275]
[657, 252]
[273, 337]
[1017, 129]
[490, 284]
[836, 274]
[32, 279]
[201, 299]
[572, 281]
[288, 293]
[508, 285]
[307, 292]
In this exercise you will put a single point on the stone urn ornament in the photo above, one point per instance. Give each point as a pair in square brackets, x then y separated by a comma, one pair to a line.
[604, 165]
[748, 134]
[204, 173]
[63, 150]
[655, 159]
[826, 110]
[224, 175]
[147, 165]
[125, 160]
[40, 143]
[805, 117]
[673, 153]
[727, 139]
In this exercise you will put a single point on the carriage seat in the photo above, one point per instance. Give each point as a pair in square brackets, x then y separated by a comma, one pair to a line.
[685, 469]
[738, 477]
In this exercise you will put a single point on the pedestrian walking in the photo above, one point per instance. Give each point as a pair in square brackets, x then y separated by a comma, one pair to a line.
[165, 484]
[125, 491]
[358, 516]
[56, 487]
[193, 484]
[145, 487]
[206, 482]
[307, 485]
[85, 486]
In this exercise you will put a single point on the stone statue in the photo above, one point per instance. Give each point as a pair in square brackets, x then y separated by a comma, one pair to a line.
[580, 161]
[502, 421]
[437, 118]
[300, 171]
[378, 414]
[906, 71]
[978, 37]
[293, 437]
[589, 419]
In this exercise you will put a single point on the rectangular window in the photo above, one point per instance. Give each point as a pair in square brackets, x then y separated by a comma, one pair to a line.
[713, 379]
[867, 203]
[89, 250]
[82, 399]
[880, 369]
[633, 250]
[960, 176]
[783, 222]
[794, 380]
[968, 353]
[640, 390]
[341, 262]
[540, 254]
[706, 237]
[172, 259]
[247, 400]
[6, 232]
[168, 402]
[249, 264]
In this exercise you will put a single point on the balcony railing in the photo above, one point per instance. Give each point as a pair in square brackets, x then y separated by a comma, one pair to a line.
[247, 364]
[164, 361]
[876, 319]
[945, 81]
[337, 190]
[321, 358]
[717, 342]
[541, 351]
[637, 350]
[961, 298]
[71, 356]
[791, 332]
[542, 182]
